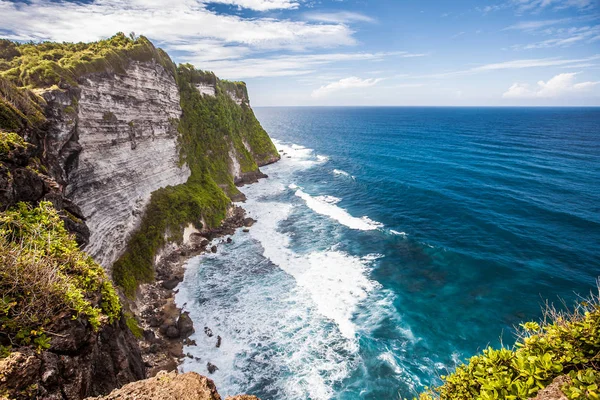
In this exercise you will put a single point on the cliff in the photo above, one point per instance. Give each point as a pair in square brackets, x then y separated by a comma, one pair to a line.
[114, 142]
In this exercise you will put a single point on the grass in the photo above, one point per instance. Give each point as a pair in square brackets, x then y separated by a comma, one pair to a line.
[44, 277]
[20, 108]
[42, 65]
[565, 343]
[133, 325]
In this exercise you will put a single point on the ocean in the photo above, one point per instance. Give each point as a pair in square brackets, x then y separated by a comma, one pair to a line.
[393, 243]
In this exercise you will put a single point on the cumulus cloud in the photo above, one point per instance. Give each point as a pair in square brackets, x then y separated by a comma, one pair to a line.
[183, 21]
[345, 84]
[559, 86]
[185, 28]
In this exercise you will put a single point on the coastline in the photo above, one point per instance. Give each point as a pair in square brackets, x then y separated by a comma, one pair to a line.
[163, 326]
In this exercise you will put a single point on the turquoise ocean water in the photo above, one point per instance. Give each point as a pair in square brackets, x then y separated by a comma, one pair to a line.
[392, 243]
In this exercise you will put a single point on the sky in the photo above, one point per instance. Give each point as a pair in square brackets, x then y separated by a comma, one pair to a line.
[354, 52]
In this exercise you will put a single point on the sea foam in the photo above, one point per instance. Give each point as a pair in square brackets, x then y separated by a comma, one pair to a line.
[322, 205]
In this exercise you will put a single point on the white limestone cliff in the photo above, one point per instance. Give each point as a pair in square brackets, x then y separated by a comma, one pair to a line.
[117, 146]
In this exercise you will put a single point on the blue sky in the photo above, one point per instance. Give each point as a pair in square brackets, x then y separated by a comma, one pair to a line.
[355, 52]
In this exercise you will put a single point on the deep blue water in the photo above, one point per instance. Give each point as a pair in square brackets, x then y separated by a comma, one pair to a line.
[474, 217]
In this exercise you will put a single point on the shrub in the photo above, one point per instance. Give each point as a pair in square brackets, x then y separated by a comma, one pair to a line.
[44, 277]
[10, 141]
[48, 63]
[565, 343]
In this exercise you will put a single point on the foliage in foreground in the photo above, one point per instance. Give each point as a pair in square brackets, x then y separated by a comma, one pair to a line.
[45, 277]
[568, 343]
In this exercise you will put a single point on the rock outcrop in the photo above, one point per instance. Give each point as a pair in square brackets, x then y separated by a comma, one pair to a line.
[171, 386]
[112, 141]
[553, 391]
[167, 386]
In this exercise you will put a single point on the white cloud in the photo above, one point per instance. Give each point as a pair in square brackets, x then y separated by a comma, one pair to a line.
[559, 86]
[345, 84]
[184, 24]
[286, 65]
[338, 17]
[516, 64]
[183, 21]
[261, 5]
[565, 37]
[532, 25]
[539, 5]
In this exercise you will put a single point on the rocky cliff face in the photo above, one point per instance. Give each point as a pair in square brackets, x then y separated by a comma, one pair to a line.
[79, 363]
[113, 141]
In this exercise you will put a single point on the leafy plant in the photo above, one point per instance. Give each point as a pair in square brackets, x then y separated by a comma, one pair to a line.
[10, 141]
[44, 277]
[584, 384]
[565, 343]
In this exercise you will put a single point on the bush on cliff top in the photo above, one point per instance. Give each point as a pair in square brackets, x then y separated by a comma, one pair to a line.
[567, 343]
[50, 63]
[44, 277]
[19, 107]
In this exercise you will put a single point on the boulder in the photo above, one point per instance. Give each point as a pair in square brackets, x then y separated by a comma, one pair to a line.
[172, 332]
[212, 368]
[170, 284]
[185, 325]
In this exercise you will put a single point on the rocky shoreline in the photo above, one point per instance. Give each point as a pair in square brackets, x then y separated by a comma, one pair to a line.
[164, 327]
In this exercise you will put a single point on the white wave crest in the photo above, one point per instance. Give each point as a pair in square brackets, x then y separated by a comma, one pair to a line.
[340, 172]
[323, 207]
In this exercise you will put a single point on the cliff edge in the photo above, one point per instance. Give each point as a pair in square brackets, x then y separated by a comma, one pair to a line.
[112, 148]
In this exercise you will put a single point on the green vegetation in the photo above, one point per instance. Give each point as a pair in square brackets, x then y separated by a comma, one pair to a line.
[133, 326]
[170, 208]
[42, 65]
[566, 344]
[19, 107]
[10, 141]
[44, 277]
